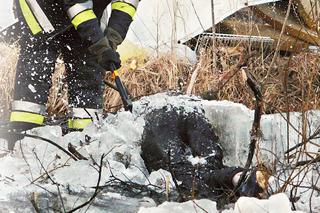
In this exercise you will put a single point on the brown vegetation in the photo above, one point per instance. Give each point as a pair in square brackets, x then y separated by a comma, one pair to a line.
[292, 83]
[8, 61]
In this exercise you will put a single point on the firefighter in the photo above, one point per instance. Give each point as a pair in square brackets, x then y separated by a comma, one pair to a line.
[72, 29]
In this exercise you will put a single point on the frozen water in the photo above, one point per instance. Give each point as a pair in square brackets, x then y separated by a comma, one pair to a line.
[278, 203]
[186, 207]
[24, 172]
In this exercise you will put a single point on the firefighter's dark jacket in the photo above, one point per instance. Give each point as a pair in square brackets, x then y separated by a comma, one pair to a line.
[83, 14]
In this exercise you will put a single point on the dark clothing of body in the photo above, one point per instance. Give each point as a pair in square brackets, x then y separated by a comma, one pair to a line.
[171, 137]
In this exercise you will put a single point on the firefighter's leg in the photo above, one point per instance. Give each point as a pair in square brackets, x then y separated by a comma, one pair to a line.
[32, 83]
[85, 84]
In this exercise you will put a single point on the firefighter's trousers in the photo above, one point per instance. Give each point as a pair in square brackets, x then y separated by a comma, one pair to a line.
[35, 67]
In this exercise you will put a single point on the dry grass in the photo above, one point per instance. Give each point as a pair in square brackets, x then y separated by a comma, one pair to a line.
[8, 61]
[156, 75]
[58, 98]
[291, 85]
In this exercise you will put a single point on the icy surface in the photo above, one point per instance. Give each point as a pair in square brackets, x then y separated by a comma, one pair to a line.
[24, 173]
[278, 203]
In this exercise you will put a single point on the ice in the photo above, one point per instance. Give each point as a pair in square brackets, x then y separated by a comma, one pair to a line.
[186, 207]
[160, 178]
[23, 172]
[278, 203]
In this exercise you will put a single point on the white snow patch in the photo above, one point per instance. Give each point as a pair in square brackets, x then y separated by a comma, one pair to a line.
[31, 88]
[197, 160]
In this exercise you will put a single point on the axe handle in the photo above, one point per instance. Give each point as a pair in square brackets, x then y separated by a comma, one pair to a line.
[122, 91]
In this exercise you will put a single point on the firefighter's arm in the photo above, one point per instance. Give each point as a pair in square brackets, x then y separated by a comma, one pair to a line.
[84, 20]
[120, 20]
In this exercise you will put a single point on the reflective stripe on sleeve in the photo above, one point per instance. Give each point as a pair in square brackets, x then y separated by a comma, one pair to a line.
[132, 2]
[40, 16]
[78, 8]
[83, 17]
[27, 106]
[27, 117]
[124, 7]
[79, 123]
[29, 17]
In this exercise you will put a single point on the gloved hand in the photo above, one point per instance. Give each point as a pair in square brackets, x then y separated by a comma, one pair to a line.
[255, 185]
[107, 58]
[113, 37]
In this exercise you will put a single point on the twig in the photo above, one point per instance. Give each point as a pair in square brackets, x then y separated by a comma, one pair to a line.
[195, 203]
[48, 141]
[53, 182]
[25, 159]
[281, 33]
[58, 167]
[73, 150]
[97, 190]
[302, 163]
[255, 130]
[193, 78]
[33, 202]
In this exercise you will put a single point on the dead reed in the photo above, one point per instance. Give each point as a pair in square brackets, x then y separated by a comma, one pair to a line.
[8, 61]
[286, 86]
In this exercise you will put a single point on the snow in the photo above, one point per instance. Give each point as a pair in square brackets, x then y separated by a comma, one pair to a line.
[196, 160]
[31, 88]
[186, 207]
[278, 203]
[24, 172]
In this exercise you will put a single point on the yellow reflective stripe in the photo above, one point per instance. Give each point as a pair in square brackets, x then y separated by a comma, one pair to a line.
[124, 7]
[29, 17]
[27, 117]
[79, 123]
[83, 17]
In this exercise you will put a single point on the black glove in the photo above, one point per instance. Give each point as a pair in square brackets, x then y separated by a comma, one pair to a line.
[108, 58]
[113, 37]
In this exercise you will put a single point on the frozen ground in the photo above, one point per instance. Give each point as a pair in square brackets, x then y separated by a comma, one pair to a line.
[39, 175]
